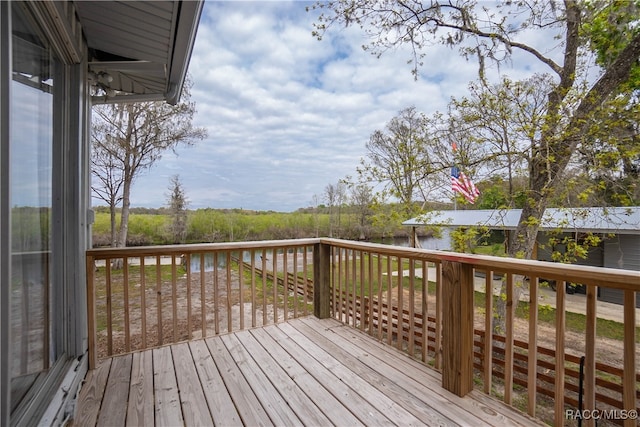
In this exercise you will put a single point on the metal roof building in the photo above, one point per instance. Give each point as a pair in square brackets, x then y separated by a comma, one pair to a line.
[620, 226]
[619, 220]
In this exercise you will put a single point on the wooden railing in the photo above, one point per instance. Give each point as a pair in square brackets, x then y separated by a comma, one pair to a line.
[145, 297]
[423, 302]
[389, 291]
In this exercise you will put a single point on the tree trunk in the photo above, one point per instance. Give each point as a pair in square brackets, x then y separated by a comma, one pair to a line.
[546, 174]
[112, 213]
[124, 217]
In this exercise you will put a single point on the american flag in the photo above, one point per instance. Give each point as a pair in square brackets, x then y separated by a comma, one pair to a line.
[462, 184]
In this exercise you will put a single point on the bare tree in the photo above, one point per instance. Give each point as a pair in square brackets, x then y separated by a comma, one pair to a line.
[315, 200]
[361, 200]
[402, 158]
[108, 176]
[130, 138]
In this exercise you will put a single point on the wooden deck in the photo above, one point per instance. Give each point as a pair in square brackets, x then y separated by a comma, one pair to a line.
[302, 372]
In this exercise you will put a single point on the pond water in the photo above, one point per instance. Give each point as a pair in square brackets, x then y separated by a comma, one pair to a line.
[434, 243]
[442, 243]
[210, 258]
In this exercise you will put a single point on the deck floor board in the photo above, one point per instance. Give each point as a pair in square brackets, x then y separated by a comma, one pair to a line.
[92, 393]
[168, 410]
[322, 398]
[297, 399]
[275, 405]
[350, 371]
[116, 394]
[374, 367]
[302, 372]
[345, 395]
[427, 385]
[213, 386]
[192, 397]
[246, 402]
[140, 406]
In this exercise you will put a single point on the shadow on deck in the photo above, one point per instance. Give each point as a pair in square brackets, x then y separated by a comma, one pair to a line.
[305, 371]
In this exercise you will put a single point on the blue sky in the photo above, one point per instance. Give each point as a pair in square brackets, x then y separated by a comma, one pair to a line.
[287, 114]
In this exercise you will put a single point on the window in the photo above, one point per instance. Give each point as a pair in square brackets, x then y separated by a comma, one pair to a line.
[44, 183]
[31, 178]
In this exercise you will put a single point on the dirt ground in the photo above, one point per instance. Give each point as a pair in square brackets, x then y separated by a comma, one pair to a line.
[607, 350]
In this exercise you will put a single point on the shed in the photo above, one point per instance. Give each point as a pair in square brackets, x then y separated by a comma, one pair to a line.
[620, 227]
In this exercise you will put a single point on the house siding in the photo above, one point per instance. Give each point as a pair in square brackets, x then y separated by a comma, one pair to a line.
[5, 226]
[621, 251]
[44, 49]
[594, 256]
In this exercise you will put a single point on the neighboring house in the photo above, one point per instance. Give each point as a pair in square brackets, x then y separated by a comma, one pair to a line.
[53, 56]
[618, 226]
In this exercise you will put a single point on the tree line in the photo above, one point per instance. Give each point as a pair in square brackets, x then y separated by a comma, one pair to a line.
[207, 225]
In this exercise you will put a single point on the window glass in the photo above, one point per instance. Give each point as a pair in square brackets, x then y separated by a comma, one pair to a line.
[31, 179]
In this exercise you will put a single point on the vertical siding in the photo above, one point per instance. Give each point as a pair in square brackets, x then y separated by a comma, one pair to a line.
[621, 251]
[594, 257]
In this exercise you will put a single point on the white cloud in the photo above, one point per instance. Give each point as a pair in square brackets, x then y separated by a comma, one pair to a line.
[287, 114]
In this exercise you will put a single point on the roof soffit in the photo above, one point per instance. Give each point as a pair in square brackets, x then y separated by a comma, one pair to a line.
[142, 47]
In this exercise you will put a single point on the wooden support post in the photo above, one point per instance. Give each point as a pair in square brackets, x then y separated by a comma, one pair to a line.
[590, 354]
[629, 368]
[457, 327]
[321, 280]
[91, 312]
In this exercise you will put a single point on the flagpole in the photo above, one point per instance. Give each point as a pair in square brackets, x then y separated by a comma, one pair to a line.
[454, 148]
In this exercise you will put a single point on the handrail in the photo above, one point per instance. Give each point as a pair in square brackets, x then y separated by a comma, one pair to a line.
[600, 276]
[609, 277]
[138, 251]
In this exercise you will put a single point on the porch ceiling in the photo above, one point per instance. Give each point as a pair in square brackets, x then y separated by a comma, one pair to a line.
[140, 47]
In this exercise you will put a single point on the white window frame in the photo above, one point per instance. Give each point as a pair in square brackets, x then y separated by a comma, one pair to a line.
[48, 402]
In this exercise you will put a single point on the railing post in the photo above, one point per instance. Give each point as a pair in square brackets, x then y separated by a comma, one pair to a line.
[321, 280]
[457, 327]
[91, 312]
[629, 361]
